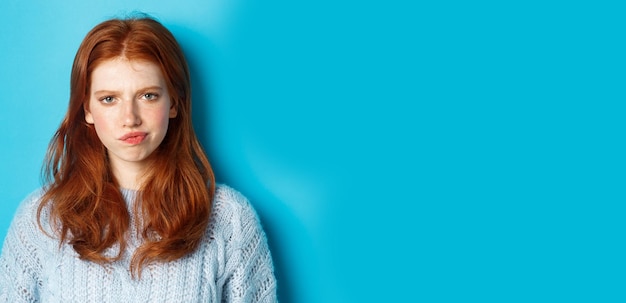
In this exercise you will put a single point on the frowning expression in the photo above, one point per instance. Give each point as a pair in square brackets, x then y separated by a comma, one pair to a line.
[130, 107]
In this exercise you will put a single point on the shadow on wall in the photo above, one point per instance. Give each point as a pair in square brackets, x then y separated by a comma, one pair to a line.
[194, 45]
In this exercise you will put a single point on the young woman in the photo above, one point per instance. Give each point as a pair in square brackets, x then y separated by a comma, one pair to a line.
[130, 211]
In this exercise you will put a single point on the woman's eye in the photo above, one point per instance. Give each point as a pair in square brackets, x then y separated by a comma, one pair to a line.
[107, 99]
[150, 96]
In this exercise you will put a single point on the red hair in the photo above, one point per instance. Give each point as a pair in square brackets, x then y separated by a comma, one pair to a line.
[85, 202]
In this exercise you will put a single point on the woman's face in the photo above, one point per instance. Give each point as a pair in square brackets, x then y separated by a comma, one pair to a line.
[130, 107]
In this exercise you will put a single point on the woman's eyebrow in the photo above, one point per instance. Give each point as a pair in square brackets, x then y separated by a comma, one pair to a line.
[112, 92]
[105, 91]
[153, 87]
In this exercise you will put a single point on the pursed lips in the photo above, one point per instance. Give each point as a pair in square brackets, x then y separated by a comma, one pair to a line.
[133, 137]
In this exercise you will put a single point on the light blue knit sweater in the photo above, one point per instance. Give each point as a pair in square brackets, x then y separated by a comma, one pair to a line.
[233, 263]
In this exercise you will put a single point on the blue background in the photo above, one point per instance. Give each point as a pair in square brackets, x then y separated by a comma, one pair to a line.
[396, 151]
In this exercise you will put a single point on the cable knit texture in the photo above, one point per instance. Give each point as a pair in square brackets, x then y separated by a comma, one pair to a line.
[233, 263]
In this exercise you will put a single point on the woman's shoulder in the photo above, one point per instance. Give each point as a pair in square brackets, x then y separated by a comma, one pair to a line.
[28, 215]
[25, 230]
[231, 209]
[228, 199]
[27, 209]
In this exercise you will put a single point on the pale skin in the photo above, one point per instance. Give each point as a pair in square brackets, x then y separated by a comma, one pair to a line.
[130, 107]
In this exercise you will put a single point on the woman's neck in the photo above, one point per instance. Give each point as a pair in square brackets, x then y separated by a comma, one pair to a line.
[129, 175]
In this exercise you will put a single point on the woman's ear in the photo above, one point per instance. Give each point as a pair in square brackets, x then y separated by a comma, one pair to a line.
[173, 111]
[88, 116]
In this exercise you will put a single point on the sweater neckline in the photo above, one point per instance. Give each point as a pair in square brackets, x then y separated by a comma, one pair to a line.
[129, 195]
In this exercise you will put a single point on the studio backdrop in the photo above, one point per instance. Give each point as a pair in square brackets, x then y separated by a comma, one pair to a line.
[396, 151]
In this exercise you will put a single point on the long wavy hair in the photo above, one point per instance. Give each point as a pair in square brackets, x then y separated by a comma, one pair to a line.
[84, 199]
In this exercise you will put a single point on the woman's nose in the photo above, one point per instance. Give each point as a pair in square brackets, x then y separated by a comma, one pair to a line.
[130, 114]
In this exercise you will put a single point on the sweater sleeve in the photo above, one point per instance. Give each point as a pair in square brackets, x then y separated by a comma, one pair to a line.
[20, 265]
[252, 273]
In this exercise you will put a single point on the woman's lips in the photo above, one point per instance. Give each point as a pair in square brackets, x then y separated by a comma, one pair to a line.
[133, 138]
